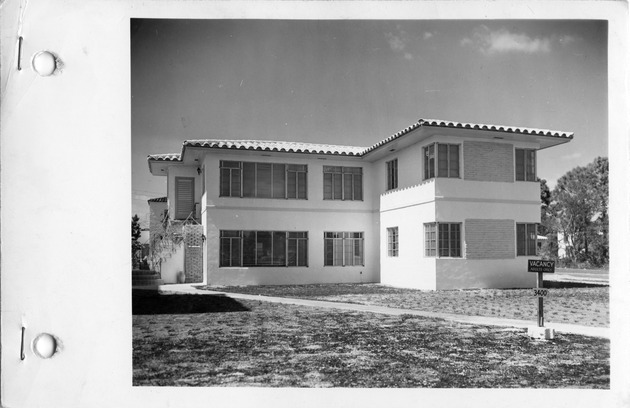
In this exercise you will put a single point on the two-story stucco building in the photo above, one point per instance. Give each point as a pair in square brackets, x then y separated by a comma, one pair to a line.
[438, 205]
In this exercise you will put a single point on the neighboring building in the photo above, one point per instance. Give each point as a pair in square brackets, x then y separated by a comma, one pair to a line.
[438, 205]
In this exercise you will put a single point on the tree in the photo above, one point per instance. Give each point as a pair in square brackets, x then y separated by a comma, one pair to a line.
[547, 226]
[580, 208]
[545, 201]
[135, 236]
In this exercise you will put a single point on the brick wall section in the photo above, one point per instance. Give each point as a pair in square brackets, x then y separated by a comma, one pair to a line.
[487, 161]
[490, 239]
[193, 257]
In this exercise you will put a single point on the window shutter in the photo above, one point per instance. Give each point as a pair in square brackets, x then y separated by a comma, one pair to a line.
[453, 161]
[358, 187]
[279, 176]
[184, 197]
[442, 160]
[520, 165]
[263, 180]
[520, 239]
[249, 179]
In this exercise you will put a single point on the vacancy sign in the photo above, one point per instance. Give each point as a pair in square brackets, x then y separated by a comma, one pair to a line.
[541, 266]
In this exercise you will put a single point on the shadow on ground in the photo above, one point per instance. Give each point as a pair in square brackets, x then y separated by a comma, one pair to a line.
[566, 285]
[152, 303]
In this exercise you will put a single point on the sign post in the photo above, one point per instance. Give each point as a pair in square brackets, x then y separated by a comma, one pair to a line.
[540, 266]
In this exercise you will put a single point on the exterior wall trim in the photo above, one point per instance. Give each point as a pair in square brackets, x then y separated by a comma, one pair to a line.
[408, 206]
[485, 200]
[291, 209]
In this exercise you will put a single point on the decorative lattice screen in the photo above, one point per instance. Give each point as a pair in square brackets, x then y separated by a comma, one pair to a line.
[193, 253]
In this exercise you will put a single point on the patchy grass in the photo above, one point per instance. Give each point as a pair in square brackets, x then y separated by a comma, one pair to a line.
[275, 345]
[586, 306]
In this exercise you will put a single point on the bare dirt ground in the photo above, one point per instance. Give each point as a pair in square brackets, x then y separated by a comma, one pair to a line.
[193, 340]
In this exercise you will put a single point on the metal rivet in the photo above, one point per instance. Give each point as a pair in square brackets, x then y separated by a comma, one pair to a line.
[44, 345]
[44, 63]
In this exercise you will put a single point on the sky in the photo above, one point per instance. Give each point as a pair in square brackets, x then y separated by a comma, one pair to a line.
[356, 82]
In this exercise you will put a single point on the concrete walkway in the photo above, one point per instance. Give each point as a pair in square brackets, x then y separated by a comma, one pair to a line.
[480, 320]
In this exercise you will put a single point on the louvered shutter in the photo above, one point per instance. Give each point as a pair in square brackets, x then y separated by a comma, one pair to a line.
[184, 197]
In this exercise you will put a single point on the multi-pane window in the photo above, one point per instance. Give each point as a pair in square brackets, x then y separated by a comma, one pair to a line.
[392, 241]
[343, 183]
[525, 164]
[184, 197]
[262, 180]
[447, 163]
[526, 239]
[392, 174]
[343, 249]
[449, 240]
[443, 239]
[231, 248]
[430, 239]
[263, 248]
[230, 179]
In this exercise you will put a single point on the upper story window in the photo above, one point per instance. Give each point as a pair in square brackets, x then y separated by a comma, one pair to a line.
[343, 183]
[263, 180]
[392, 174]
[525, 165]
[184, 197]
[447, 163]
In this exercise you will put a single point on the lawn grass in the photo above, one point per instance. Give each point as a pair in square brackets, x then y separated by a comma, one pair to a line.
[587, 306]
[267, 344]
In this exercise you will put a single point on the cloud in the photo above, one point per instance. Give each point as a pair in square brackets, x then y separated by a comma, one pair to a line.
[503, 41]
[566, 39]
[398, 43]
[427, 35]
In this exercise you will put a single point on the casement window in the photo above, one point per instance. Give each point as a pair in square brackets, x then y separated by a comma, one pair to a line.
[430, 239]
[343, 183]
[262, 180]
[263, 248]
[443, 239]
[525, 164]
[447, 163]
[392, 241]
[184, 197]
[230, 179]
[392, 174]
[343, 249]
[526, 239]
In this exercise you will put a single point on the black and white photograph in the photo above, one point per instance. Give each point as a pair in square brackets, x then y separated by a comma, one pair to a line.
[330, 203]
[301, 219]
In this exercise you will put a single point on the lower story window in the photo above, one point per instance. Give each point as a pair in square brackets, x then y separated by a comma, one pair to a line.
[263, 248]
[443, 239]
[526, 239]
[392, 241]
[343, 249]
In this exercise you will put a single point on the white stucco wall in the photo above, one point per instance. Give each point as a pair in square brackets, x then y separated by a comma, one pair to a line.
[408, 209]
[172, 265]
[314, 215]
[458, 200]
